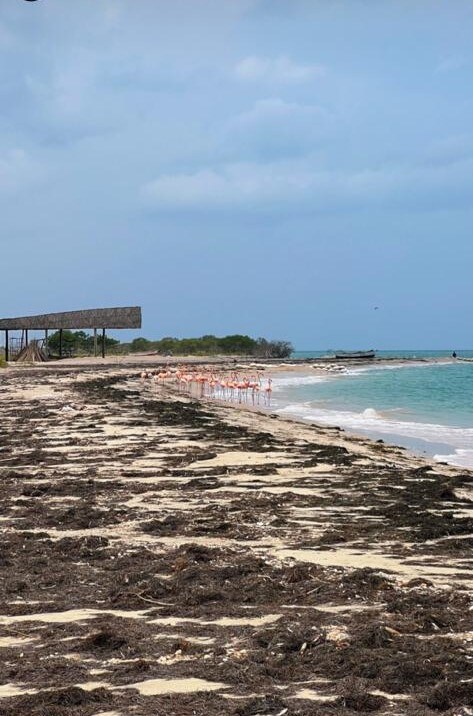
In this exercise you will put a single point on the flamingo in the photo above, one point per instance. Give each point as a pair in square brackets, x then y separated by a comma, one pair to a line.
[268, 390]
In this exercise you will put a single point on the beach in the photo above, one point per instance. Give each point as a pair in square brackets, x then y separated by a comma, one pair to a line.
[424, 405]
[165, 555]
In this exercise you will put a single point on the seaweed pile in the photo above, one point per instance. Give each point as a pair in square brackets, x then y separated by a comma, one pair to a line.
[163, 556]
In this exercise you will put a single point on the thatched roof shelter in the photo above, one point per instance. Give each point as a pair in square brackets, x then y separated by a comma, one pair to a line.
[129, 317]
[96, 318]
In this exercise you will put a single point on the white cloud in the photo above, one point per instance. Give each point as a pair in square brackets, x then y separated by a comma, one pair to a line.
[278, 70]
[274, 128]
[450, 64]
[17, 170]
[272, 108]
[247, 185]
[454, 149]
[67, 90]
[203, 188]
[272, 186]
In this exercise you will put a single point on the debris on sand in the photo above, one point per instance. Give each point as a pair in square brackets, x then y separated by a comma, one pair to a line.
[162, 556]
[32, 353]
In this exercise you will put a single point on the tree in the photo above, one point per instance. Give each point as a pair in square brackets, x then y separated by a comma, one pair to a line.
[138, 345]
[77, 342]
[167, 345]
[88, 344]
[273, 349]
[70, 341]
[281, 349]
[237, 344]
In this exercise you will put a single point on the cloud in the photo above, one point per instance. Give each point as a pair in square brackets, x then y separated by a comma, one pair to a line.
[17, 170]
[450, 64]
[68, 73]
[273, 128]
[454, 149]
[250, 185]
[67, 89]
[279, 186]
[280, 70]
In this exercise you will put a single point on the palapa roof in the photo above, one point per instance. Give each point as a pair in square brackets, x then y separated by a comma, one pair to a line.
[127, 317]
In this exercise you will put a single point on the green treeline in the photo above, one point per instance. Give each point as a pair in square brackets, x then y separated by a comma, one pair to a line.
[212, 345]
[81, 343]
[78, 342]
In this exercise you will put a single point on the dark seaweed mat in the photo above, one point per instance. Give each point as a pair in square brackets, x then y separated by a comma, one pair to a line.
[383, 649]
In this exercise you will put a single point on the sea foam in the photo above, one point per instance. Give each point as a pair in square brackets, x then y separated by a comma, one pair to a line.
[446, 443]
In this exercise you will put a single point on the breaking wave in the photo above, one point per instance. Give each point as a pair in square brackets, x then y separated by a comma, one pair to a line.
[371, 422]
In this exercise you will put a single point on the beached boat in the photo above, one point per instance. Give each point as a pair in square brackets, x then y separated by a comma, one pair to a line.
[355, 355]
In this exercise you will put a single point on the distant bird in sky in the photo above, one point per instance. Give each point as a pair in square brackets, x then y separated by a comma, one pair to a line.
[376, 308]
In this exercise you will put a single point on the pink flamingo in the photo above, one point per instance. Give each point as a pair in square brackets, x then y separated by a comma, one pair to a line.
[268, 390]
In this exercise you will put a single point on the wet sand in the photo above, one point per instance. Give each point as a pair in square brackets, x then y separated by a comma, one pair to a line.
[165, 556]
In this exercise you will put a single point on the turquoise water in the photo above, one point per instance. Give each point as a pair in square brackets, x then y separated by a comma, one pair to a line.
[425, 407]
[413, 353]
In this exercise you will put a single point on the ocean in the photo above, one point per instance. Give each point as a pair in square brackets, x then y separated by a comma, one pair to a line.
[427, 408]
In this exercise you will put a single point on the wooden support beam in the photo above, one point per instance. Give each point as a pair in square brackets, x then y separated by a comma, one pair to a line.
[26, 338]
[103, 342]
[60, 343]
[7, 347]
[95, 343]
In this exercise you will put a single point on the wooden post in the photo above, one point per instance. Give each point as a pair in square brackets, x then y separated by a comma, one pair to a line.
[60, 343]
[95, 343]
[103, 342]
[7, 347]
[46, 336]
[26, 338]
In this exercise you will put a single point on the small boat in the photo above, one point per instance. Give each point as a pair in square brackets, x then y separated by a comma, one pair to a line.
[355, 355]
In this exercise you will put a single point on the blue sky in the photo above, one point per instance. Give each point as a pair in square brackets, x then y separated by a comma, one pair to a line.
[270, 167]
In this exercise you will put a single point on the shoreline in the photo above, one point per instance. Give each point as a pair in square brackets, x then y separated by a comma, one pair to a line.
[168, 555]
[350, 437]
[142, 359]
[324, 367]
[417, 436]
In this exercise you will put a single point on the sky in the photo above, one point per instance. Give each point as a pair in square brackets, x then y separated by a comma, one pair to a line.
[272, 167]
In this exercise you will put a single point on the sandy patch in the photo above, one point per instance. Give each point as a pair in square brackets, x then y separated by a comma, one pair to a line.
[358, 560]
[10, 690]
[235, 458]
[154, 687]
[9, 642]
[223, 621]
[71, 615]
[311, 695]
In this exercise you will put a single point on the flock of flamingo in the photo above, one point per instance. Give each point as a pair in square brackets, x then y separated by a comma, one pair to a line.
[209, 384]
